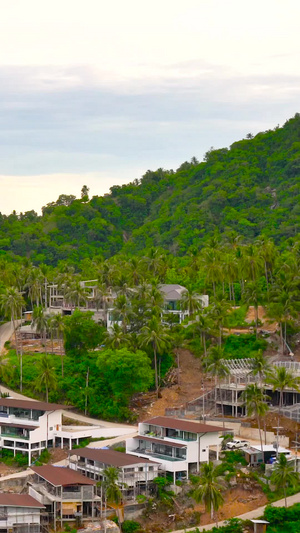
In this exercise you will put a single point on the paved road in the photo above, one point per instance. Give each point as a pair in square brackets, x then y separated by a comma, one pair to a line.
[6, 331]
[256, 513]
[76, 416]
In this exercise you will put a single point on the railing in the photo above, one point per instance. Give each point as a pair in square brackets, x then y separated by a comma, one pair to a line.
[14, 435]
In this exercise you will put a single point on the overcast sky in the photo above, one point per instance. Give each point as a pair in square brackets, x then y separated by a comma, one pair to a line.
[96, 92]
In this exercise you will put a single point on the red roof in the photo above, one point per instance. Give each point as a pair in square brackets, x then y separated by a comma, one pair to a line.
[60, 476]
[183, 425]
[110, 457]
[19, 500]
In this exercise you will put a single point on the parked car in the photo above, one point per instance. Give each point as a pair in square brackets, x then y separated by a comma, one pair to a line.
[236, 444]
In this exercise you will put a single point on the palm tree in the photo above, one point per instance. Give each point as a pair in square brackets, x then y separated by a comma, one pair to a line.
[11, 301]
[203, 326]
[60, 326]
[218, 313]
[191, 301]
[209, 490]
[283, 475]
[253, 296]
[260, 366]
[122, 311]
[46, 375]
[155, 334]
[40, 321]
[256, 403]
[282, 379]
[215, 365]
[111, 488]
[116, 337]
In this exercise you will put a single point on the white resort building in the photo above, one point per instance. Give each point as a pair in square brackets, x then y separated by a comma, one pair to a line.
[178, 445]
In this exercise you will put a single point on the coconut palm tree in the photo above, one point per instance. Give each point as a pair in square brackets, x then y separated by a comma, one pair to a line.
[209, 490]
[191, 301]
[155, 335]
[282, 379]
[283, 475]
[122, 311]
[60, 326]
[111, 488]
[256, 404]
[253, 296]
[260, 367]
[46, 378]
[40, 321]
[116, 337]
[11, 301]
[203, 326]
[215, 365]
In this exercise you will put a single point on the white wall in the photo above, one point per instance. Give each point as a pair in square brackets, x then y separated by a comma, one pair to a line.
[20, 515]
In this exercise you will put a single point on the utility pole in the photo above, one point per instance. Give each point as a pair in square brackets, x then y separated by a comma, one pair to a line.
[86, 390]
[297, 444]
[277, 438]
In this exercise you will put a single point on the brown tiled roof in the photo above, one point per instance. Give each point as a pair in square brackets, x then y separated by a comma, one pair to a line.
[32, 404]
[110, 457]
[161, 441]
[19, 500]
[183, 425]
[61, 476]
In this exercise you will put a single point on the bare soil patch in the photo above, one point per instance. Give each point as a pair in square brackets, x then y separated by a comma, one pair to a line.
[192, 384]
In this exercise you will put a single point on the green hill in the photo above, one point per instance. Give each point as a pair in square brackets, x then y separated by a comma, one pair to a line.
[251, 188]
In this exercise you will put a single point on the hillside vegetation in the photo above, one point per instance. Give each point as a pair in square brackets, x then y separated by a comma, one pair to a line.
[250, 189]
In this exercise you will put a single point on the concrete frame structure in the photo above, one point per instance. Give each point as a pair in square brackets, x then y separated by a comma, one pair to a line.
[66, 494]
[178, 445]
[20, 513]
[240, 375]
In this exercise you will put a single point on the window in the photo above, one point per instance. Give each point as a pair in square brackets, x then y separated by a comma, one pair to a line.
[129, 469]
[151, 468]
[141, 468]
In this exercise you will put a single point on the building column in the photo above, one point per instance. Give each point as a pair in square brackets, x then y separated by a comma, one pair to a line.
[218, 451]
[29, 455]
[70, 444]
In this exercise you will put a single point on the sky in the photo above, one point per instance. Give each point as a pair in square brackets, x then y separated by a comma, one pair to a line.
[95, 92]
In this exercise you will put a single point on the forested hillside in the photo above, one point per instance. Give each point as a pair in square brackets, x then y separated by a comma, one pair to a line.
[249, 189]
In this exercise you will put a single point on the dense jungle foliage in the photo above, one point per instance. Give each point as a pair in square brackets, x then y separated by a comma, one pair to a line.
[227, 227]
[250, 189]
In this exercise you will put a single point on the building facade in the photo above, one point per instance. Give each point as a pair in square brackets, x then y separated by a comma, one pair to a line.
[135, 474]
[67, 495]
[178, 445]
[20, 513]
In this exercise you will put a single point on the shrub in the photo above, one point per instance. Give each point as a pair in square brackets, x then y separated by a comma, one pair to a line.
[130, 526]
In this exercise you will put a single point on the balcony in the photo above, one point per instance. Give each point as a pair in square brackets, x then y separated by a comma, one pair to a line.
[158, 455]
[14, 435]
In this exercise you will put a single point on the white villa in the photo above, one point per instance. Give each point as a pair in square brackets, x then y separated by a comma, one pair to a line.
[172, 294]
[28, 427]
[178, 445]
